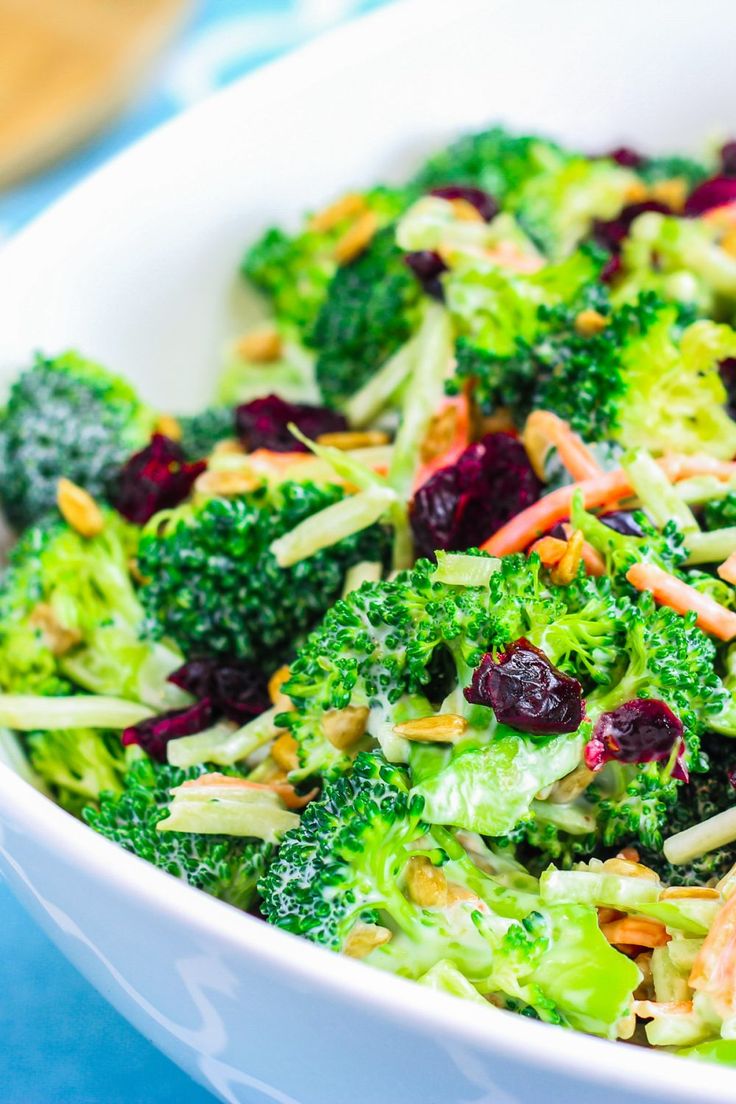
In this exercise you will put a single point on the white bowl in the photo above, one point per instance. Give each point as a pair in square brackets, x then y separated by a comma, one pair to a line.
[135, 267]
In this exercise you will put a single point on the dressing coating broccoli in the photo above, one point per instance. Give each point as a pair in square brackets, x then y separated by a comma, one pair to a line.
[65, 417]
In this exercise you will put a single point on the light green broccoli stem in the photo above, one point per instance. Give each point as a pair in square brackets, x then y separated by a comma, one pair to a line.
[712, 547]
[27, 712]
[365, 572]
[217, 805]
[657, 495]
[333, 524]
[703, 488]
[596, 887]
[13, 756]
[221, 745]
[383, 387]
[423, 396]
[456, 569]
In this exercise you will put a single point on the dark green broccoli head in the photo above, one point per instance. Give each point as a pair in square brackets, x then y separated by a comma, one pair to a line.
[226, 867]
[201, 432]
[346, 858]
[577, 377]
[721, 512]
[295, 271]
[655, 169]
[214, 587]
[370, 310]
[494, 160]
[65, 417]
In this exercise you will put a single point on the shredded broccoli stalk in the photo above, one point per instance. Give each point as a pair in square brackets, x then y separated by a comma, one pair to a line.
[26, 713]
[656, 494]
[218, 805]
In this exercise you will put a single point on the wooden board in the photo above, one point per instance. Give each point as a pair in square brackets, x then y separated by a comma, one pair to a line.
[66, 66]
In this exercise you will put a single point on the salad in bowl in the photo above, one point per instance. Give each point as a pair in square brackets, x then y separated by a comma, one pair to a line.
[420, 642]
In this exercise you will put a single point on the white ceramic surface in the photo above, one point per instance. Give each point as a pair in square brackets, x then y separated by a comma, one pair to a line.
[136, 267]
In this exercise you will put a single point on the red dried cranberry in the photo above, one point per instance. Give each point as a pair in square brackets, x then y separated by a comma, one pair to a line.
[610, 233]
[627, 157]
[235, 687]
[715, 192]
[623, 522]
[728, 158]
[263, 423]
[611, 268]
[485, 204]
[727, 369]
[462, 505]
[156, 478]
[526, 692]
[154, 734]
[731, 776]
[428, 266]
[644, 730]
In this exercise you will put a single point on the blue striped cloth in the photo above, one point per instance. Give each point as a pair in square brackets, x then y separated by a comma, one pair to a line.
[60, 1040]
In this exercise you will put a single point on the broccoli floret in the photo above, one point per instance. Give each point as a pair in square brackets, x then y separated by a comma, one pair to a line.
[213, 586]
[78, 763]
[494, 160]
[371, 309]
[380, 647]
[499, 315]
[65, 417]
[348, 861]
[226, 867]
[201, 432]
[554, 193]
[295, 271]
[655, 169]
[69, 614]
[679, 259]
[644, 380]
[720, 513]
[347, 878]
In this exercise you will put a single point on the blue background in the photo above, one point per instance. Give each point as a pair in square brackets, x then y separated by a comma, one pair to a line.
[61, 1043]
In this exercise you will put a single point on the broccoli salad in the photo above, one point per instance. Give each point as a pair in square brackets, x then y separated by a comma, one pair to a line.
[420, 642]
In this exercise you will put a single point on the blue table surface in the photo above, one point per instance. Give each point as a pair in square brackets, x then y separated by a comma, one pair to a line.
[60, 1042]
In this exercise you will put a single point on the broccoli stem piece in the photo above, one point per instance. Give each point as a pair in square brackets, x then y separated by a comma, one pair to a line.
[343, 519]
[221, 745]
[383, 387]
[26, 712]
[657, 495]
[214, 804]
[713, 547]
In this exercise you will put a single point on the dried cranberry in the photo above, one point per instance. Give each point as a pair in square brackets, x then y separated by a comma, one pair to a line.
[462, 505]
[627, 157]
[154, 734]
[156, 478]
[711, 193]
[644, 730]
[727, 369]
[235, 687]
[263, 423]
[485, 204]
[428, 266]
[731, 776]
[611, 233]
[526, 692]
[623, 522]
[728, 158]
[611, 268]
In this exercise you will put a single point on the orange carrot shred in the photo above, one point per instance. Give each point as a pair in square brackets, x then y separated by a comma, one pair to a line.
[712, 617]
[544, 429]
[727, 570]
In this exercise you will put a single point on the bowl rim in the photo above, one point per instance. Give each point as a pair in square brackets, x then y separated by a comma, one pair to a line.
[537, 1044]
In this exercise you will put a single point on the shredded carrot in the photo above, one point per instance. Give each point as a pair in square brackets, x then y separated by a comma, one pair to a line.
[637, 931]
[459, 407]
[284, 790]
[506, 255]
[544, 430]
[714, 969]
[549, 549]
[518, 534]
[677, 466]
[727, 570]
[649, 1009]
[712, 617]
